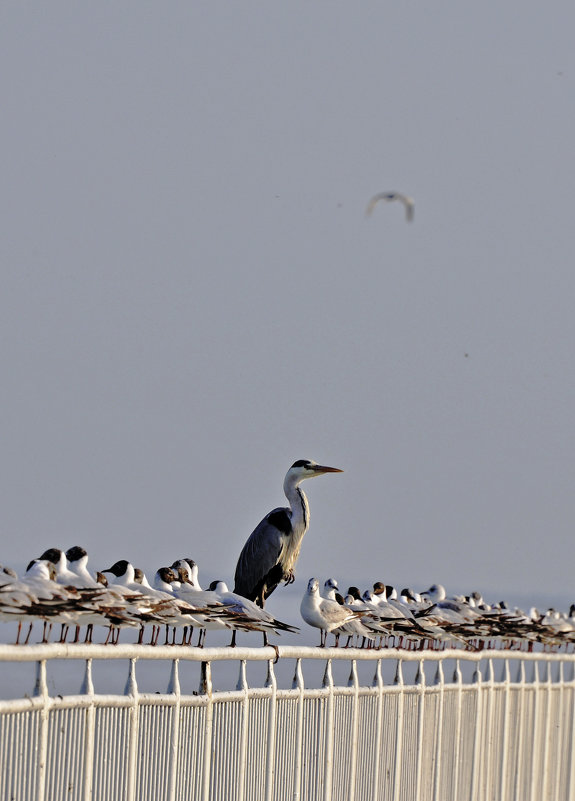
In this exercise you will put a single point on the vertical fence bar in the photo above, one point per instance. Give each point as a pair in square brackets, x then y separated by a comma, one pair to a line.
[41, 690]
[485, 775]
[534, 755]
[174, 689]
[354, 683]
[439, 681]
[242, 686]
[476, 763]
[399, 732]
[571, 761]
[89, 726]
[457, 679]
[560, 706]
[271, 749]
[420, 682]
[378, 682]
[521, 727]
[298, 684]
[328, 768]
[206, 689]
[132, 691]
[505, 689]
[546, 737]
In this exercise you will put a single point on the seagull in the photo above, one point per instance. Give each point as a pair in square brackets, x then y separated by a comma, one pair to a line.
[255, 616]
[37, 596]
[324, 614]
[390, 196]
[271, 552]
[352, 628]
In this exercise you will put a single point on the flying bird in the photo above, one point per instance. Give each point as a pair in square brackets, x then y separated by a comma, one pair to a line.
[390, 196]
[270, 554]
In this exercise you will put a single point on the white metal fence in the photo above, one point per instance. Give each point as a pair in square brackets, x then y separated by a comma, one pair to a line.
[333, 724]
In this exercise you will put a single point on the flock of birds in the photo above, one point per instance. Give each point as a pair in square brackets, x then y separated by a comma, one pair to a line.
[58, 588]
[431, 620]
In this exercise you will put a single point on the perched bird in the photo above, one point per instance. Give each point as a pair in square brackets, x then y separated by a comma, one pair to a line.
[255, 617]
[323, 613]
[390, 196]
[270, 554]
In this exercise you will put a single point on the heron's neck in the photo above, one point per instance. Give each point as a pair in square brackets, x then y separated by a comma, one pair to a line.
[299, 506]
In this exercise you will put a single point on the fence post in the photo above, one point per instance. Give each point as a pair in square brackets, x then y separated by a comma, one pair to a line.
[398, 681]
[378, 682]
[475, 765]
[41, 690]
[174, 688]
[206, 689]
[505, 685]
[546, 737]
[354, 683]
[439, 681]
[243, 687]
[88, 689]
[298, 684]
[457, 679]
[271, 750]
[328, 771]
[132, 691]
[534, 761]
[420, 682]
[521, 727]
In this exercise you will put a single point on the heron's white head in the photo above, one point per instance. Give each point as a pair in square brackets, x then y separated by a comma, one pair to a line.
[305, 468]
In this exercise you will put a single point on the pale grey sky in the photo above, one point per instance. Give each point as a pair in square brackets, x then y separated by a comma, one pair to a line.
[192, 297]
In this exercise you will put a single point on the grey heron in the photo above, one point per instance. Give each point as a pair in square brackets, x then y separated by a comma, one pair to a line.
[390, 196]
[270, 554]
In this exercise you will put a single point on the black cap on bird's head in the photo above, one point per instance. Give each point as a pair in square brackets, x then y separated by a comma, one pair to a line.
[311, 468]
[118, 568]
[75, 553]
[52, 555]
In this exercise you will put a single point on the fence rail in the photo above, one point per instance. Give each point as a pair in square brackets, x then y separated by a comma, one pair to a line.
[320, 724]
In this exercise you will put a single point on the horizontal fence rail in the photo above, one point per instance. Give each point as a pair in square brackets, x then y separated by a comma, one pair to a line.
[334, 723]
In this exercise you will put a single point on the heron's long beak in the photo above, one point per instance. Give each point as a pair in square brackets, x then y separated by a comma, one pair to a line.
[318, 468]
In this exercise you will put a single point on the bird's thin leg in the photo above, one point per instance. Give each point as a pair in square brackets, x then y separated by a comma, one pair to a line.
[28, 635]
[233, 642]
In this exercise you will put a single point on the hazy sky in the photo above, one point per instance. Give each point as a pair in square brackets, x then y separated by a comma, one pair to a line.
[192, 297]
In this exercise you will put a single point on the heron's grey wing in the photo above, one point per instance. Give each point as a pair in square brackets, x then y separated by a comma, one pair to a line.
[260, 554]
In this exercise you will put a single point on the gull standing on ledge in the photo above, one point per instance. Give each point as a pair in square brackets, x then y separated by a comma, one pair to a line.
[389, 196]
[270, 554]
